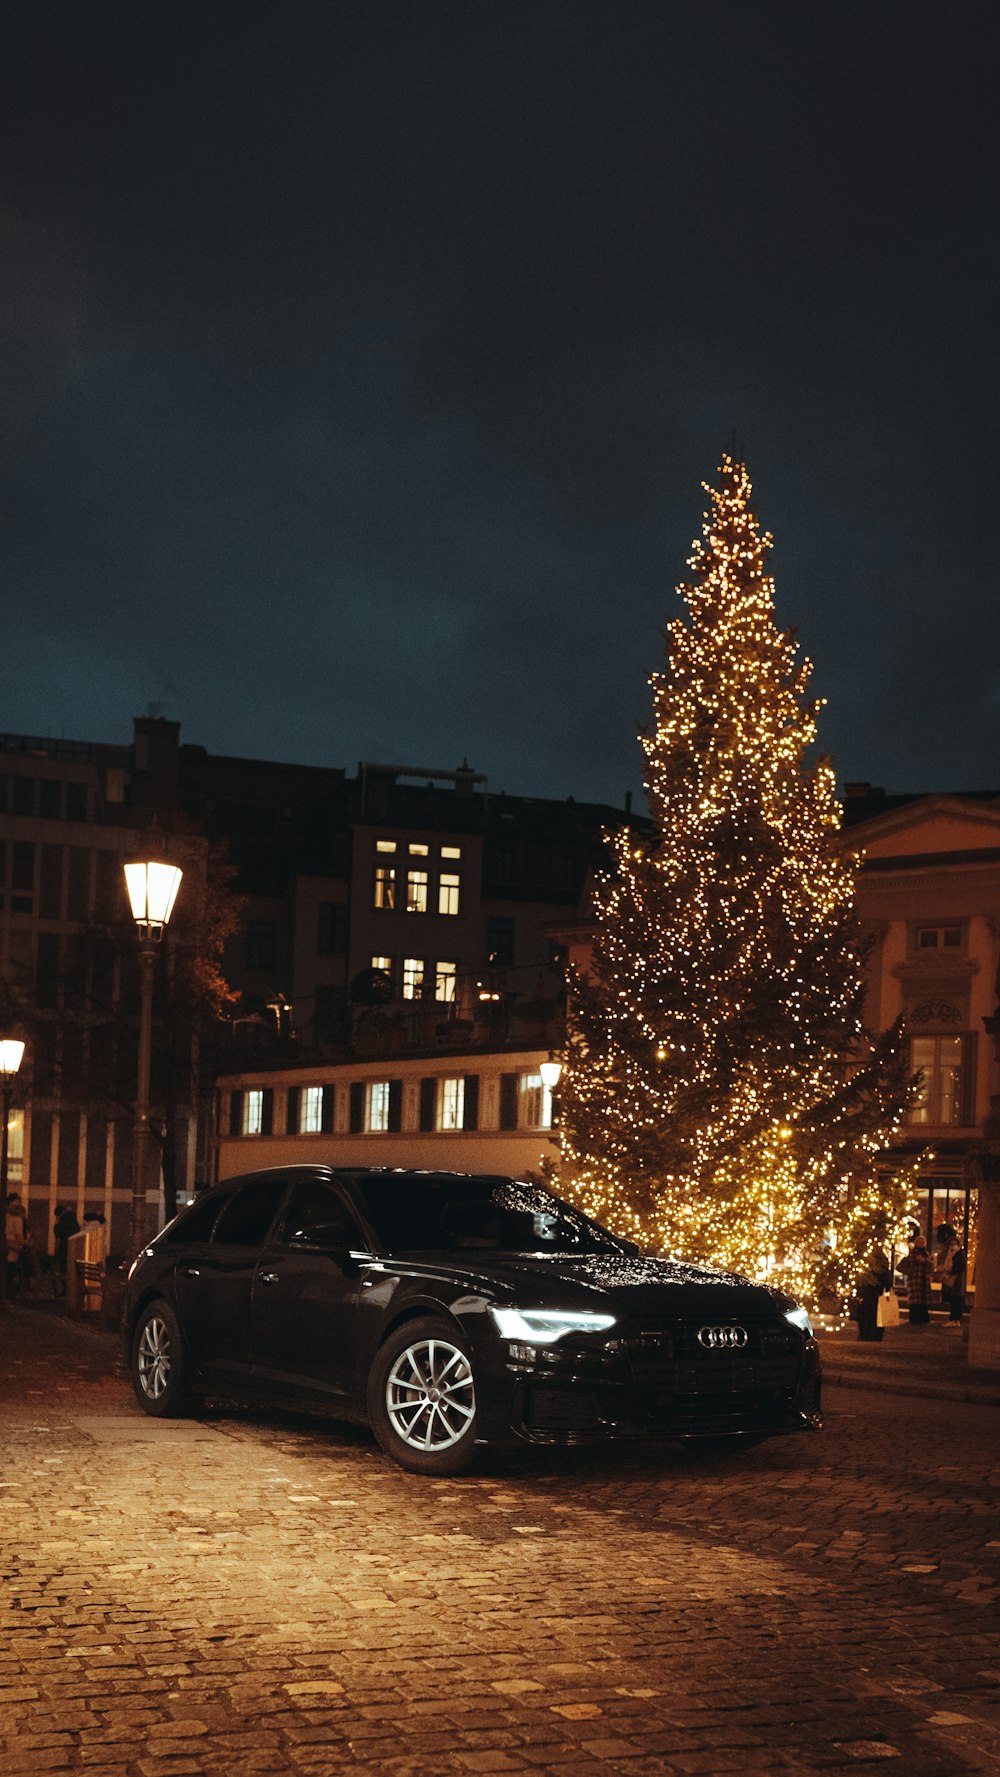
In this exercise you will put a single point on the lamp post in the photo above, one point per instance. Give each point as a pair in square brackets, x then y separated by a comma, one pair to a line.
[551, 1072]
[11, 1056]
[152, 891]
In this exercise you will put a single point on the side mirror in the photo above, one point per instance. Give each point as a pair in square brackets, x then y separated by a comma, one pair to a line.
[325, 1234]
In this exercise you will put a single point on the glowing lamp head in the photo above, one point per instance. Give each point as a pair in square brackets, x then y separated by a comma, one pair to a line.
[152, 891]
[11, 1055]
[550, 1072]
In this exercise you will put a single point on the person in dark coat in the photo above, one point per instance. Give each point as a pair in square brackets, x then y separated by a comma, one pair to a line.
[951, 1273]
[918, 1268]
[66, 1224]
[874, 1281]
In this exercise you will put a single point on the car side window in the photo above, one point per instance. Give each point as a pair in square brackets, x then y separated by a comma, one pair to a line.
[317, 1212]
[196, 1224]
[246, 1219]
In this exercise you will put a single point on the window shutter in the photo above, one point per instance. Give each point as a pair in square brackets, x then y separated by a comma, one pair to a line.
[470, 1114]
[326, 1111]
[508, 1100]
[395, 1105]
[357, 1106]
[969, 1045]
[428, 1103]
[267, 1111]
[236, 1113]
[292, 1111]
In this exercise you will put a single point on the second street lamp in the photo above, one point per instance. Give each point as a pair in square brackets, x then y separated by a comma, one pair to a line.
[152, 891]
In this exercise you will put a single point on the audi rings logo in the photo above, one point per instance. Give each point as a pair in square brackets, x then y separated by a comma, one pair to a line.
[723, 1338]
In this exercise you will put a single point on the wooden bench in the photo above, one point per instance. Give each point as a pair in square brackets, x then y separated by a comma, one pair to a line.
[90, 1277]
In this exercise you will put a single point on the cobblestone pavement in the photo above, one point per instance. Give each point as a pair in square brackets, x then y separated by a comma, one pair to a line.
[255, 1591]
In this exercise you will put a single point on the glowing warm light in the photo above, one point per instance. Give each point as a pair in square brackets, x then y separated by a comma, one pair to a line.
[550, 1072]
[721, 1097]
[11, 1055]
[152, 891]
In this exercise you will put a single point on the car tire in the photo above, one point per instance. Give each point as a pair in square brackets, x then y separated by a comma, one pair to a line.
[159, 1362]
[422, 1398]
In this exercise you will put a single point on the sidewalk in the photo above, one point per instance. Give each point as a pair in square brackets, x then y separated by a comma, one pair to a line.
[925, 1361]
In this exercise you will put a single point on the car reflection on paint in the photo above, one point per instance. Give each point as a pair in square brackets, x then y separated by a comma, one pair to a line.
[453, 1310]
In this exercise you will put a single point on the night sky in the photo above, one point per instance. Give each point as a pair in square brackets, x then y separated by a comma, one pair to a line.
[362, 363]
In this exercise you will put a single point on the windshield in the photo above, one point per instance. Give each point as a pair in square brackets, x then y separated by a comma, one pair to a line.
[425, 1211]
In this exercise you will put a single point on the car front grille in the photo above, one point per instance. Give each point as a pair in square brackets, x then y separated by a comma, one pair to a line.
[671, 1366]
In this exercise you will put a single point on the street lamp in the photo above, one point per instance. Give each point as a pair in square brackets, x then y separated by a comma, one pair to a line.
[152, 891]
[11, 1056]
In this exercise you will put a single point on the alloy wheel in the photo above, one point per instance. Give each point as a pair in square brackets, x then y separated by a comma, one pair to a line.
[153, 1357]
[430, 1395]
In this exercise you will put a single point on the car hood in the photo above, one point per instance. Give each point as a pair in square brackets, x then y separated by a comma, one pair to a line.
[628, 1285]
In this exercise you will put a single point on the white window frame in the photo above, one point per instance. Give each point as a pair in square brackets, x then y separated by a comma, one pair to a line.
[417, 889]
[451, 1103]
[534, 1102]
[449, 892]
[376, 1107]
[414, 977]
[311, 1110]
[445, 982]
[940, 1104]
[252, 1111]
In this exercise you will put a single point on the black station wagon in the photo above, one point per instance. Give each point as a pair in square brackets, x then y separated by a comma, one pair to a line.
[451, 1311]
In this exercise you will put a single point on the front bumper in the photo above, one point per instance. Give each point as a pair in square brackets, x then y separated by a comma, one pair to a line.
[654, 1386]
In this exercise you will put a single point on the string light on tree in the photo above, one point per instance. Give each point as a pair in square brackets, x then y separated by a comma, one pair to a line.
[720, 1096]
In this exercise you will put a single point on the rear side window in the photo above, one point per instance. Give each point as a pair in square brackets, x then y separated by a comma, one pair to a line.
[197, 1222]
[316, 1212]
[248, 1216]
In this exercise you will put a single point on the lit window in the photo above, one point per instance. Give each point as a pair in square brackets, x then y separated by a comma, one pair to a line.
[939, 1060]
[416, 891]
[385, 845]
[534, 1103]
[413, 977]
[444, 981]
[377, 1106]
[451, 851]
[450, 1104]
[15, 1147]
[253, 1111]
[417, 850]
[385, 886]
[449, 893]
[311, 1110]
[383, 964]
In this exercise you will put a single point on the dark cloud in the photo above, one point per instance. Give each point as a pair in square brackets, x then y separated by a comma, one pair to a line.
[361, 365]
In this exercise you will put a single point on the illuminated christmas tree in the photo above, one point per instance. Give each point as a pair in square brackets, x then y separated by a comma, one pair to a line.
[720, 1097]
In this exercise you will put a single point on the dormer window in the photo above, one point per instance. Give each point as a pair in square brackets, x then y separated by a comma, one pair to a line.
[939, 937]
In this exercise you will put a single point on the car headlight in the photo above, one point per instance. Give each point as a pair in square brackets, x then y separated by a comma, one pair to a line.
[799, 1318]
[543, 1326]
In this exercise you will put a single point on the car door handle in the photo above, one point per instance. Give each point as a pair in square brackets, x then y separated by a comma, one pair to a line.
[269, 1277]
[190, 1271]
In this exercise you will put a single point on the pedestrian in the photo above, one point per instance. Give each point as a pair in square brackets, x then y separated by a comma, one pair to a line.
[66, 1225]
[15, 1232]
[918, 1267]
[950, 1274]
[873, 1283]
